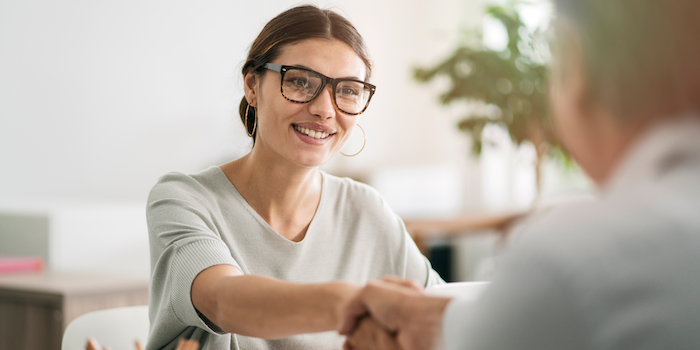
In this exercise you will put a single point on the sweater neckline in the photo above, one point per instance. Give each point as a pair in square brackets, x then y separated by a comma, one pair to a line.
[265, 224]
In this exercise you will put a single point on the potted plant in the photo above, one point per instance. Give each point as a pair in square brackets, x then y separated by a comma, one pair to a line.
[509, 85]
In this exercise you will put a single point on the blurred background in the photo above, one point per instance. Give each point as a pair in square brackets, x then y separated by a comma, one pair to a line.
[100, 98]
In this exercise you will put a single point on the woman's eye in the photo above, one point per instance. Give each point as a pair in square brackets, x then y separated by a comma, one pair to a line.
[300, 82]
[348, 91]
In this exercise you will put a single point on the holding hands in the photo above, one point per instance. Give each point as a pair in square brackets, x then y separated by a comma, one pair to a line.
[392, 313]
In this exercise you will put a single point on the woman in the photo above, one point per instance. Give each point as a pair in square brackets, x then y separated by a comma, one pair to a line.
[259, 252]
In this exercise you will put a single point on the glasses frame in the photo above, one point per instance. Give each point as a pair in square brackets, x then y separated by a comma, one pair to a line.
[282, 69]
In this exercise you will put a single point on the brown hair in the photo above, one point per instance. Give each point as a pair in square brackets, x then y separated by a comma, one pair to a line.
[641, 57]
[291, 26]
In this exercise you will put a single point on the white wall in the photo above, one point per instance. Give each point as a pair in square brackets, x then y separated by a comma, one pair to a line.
[99, 98]
[77, 236]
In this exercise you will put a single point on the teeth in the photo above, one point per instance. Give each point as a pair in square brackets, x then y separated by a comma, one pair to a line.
[312, 133]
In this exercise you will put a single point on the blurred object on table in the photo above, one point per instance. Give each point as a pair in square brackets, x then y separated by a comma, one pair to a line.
[20, 264]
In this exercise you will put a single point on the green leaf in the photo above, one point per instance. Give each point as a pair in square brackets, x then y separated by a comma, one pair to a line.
[513, 80]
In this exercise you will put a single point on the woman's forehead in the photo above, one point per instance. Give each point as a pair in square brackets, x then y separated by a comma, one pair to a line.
[329, 57]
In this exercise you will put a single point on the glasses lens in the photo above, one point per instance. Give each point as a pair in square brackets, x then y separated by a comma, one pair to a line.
[351, 96]
[301, 85]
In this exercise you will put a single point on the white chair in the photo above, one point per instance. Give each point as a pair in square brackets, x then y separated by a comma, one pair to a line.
[116, 328]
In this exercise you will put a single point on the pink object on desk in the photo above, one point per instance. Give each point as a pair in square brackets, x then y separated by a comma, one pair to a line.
[20, 264]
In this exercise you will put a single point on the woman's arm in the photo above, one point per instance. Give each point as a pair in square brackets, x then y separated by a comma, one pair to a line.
[264, 307]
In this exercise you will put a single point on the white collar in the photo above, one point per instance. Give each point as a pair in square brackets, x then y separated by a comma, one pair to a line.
[661, 148]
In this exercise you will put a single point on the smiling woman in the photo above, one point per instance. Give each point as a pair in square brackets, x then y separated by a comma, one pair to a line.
[260, 251]
[319, 104]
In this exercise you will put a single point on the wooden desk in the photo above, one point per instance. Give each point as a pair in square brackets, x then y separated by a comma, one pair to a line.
[424, 230]
[35, 308]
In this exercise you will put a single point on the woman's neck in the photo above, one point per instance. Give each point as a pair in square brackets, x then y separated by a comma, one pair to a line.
[285, 195]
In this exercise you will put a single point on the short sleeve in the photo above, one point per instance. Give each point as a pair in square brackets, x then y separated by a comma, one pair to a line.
[189, 261]
[184, 241]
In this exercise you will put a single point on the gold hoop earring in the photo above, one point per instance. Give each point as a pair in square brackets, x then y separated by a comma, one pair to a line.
[255, 122]
[364, 142]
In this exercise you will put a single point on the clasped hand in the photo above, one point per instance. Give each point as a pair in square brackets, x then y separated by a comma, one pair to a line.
[392, 314]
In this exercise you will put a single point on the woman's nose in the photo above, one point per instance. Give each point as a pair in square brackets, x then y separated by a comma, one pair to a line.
[322, 105]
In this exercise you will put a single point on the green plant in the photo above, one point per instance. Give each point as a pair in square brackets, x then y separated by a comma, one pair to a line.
[510, 86]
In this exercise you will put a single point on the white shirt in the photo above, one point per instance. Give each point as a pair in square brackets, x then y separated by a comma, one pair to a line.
[621, 272]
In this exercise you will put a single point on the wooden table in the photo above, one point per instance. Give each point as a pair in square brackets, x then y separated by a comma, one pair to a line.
[35, 308]
[424, 230]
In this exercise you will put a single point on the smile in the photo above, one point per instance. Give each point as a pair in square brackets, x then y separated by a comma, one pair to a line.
[312, 133]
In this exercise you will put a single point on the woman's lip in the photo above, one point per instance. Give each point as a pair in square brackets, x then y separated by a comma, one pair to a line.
[310, 140]
[315, 127]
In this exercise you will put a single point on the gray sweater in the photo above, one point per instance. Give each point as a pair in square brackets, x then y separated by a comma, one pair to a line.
[200, 220]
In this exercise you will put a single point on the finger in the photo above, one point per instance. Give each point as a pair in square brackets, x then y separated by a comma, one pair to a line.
[379, 299]
[405, 341]
[385, 302]
[192, 345]
[347, 345]
[370, 335]
[412, 284]
[352, 312]
[349, 338]
[92, 344]
[138, 345]
[350, 322]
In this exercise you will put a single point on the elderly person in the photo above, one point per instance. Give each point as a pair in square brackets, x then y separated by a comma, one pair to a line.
[622, 272]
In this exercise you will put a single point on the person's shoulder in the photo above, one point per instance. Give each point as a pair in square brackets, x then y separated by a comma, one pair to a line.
[576, 223]
[605, 230]
[351, 189]
[181, 185]
[351, 197]
[570, 242]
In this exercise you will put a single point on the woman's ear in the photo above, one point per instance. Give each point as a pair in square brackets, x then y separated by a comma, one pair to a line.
[250, 87]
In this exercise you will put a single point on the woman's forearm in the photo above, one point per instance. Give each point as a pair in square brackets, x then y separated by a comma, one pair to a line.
[265, 307]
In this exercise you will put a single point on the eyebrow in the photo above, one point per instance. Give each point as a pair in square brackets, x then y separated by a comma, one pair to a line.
[305, 67]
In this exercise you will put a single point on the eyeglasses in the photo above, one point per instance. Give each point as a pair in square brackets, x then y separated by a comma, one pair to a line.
[303, 85]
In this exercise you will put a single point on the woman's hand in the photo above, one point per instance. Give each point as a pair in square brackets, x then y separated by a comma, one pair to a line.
[368, 298]
[402, 309]
[370, 335]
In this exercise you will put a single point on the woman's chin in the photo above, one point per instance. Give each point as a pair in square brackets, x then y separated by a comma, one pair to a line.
[312, 160]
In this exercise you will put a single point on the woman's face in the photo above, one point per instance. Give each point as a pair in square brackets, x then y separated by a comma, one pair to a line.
[282, 124]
